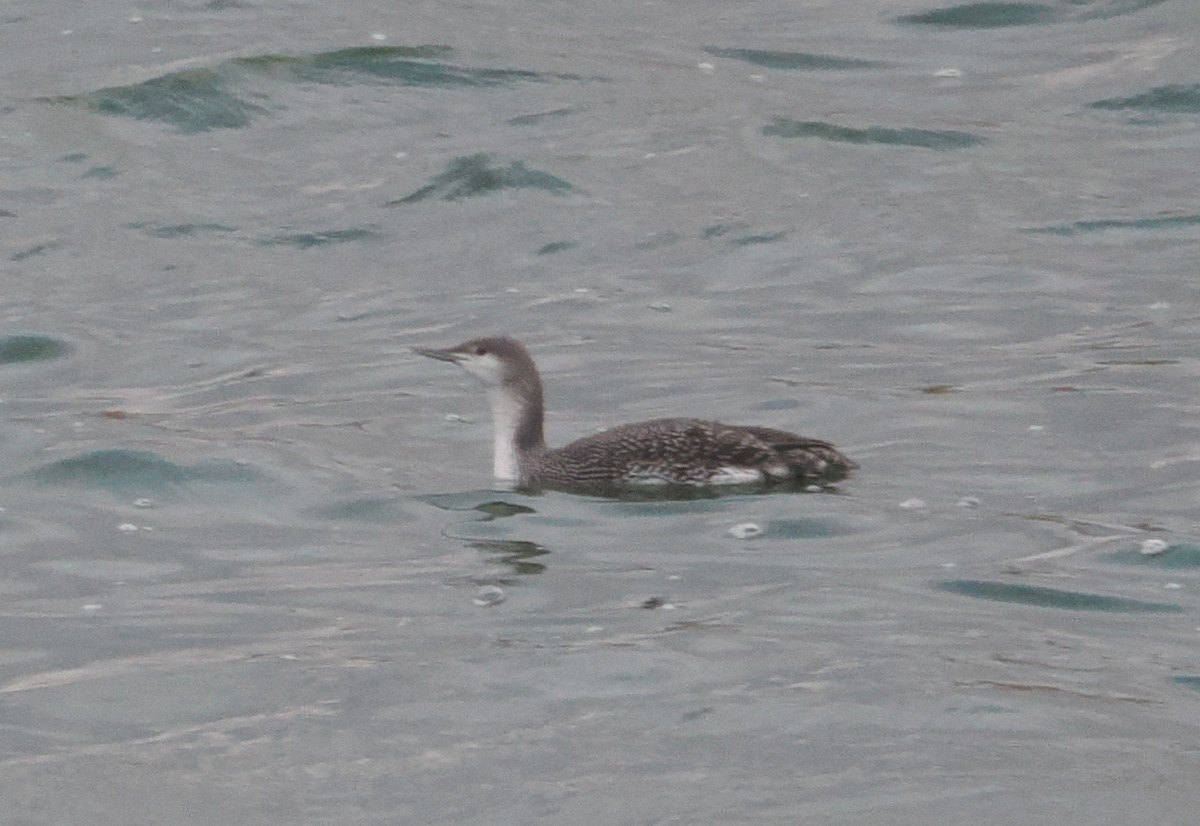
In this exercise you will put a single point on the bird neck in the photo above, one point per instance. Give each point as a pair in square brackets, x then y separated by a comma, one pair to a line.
[517, 429]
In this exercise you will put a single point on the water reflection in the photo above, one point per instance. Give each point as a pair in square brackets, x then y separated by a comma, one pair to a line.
[1054, 597]
[515, 553]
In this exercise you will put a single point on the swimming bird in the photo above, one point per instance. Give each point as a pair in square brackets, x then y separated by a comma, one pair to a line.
[678, 452]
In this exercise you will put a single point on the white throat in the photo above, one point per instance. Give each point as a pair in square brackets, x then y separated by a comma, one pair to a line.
[506, 416]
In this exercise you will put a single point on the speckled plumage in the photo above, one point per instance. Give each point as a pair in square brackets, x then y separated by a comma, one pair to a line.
[690, 452]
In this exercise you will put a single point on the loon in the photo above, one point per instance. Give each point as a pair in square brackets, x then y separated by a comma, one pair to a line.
[675, 452]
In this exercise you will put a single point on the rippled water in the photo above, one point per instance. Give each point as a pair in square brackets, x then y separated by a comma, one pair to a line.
[252, 569]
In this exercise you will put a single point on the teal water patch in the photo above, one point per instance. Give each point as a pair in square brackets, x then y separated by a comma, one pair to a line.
[556, 246]
[499, 509]
[404, 65]
[793, 60]
[373, 511]
[537, 117]
[22, 348]
[74, 157]
[483, 501]
[1053, 597]
[117, 470]
[985, 16]
[1189, 682]
[192, 100]
[715, 231]
[759, 238]
[1003, 15]
[1175, 98]
[226, 96]
[321, 238]
[102, 173]
[184, 230]
[940, 140]
[518, 554]
[473, 175]
[30, 252]
[1085, 227]
[128, 472]
[1179, 555]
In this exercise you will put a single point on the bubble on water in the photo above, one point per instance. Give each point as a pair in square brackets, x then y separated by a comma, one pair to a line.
[948, 73]
[143, 503]
[1152, 547]
[1173, 586]
[706, 68]
[913, 504]
[489, 595]
[91, 606]
[745, 530]
[127, 527]
[968, 502]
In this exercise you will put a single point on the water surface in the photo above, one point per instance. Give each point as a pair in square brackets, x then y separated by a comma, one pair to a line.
[253, 567]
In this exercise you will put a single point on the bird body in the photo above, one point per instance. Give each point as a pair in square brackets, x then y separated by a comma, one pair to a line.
[672, 451]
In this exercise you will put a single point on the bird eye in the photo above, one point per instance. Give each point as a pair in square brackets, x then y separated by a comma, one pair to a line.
[481, 351]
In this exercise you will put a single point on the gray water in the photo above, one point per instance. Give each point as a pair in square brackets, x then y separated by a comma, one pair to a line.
[252, 570]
